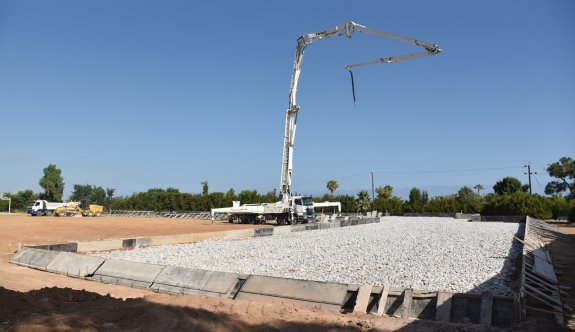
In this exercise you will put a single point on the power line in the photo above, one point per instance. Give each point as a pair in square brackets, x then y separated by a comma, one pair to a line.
[415, 172]
[449, 170]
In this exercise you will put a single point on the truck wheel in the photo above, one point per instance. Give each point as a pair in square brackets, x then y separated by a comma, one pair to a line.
[294, 220]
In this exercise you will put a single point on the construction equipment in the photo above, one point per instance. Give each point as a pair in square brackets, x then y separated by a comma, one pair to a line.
[294, 209]
[84, 209]
[346, 30]
[42, 207]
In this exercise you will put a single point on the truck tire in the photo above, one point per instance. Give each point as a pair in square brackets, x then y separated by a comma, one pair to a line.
[281, 221]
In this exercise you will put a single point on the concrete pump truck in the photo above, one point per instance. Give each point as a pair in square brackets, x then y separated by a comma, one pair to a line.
[295, 209]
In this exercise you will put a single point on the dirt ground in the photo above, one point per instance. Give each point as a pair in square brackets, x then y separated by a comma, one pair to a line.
[32, 300]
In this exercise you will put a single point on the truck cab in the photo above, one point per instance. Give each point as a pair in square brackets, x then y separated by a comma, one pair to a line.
[37, 207]
[303, 210]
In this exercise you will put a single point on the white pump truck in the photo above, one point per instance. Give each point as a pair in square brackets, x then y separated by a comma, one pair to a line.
[295, 209]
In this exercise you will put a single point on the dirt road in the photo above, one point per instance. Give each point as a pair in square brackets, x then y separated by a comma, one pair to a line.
[32, 300]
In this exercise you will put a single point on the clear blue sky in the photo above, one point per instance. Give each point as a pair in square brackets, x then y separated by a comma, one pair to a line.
[140, 94]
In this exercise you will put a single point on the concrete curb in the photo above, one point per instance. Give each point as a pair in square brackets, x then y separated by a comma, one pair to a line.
[486, 309]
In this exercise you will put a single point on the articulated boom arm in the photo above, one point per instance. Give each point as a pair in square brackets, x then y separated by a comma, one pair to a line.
[346, 30]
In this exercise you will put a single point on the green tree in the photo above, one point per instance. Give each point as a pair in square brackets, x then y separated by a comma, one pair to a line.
[20, 200]
[109, 196]
[384, 192]
[564, 171]
[507, 185]
[418, 200]
[478, 187]
[53, 183]
[332, 186]
[205, 188]
[392, 205]
[517, 203]
[469, 201]
[248, 197]
[363, 201]
[444, 204]
[93, 194]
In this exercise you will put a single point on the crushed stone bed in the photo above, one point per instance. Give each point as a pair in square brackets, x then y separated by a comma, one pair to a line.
[418, 252]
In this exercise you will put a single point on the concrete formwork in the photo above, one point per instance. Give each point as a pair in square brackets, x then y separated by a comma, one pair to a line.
[501, 311]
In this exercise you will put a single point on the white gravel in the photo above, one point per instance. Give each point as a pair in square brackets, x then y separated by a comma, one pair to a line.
[422, 253]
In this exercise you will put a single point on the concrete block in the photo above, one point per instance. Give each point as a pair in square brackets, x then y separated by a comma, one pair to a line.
[293, 292]
[34, 258]
[143, 242]
[127, 273]
[383, 300]
[464, 309]
[191, 281]
[100, 245]
[362, 299]
[128, 243]
[297, 228]
[69, 247]
[310, 227]
[423, 308]
[443, 307]
[406, 305]
[74, 265]
[486, 308]
[263, 231]
[504, 313]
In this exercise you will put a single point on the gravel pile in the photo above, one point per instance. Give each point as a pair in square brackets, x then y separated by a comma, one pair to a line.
[422, 253]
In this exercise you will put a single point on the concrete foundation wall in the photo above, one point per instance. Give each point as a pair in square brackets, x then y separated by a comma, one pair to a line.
[379, 300]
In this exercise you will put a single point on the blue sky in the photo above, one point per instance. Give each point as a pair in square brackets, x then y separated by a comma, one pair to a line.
[140, 94]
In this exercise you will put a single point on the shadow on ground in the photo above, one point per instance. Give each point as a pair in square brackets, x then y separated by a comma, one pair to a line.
[56, 309]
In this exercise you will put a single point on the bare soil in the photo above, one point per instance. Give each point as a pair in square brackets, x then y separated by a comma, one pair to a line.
[32, 300]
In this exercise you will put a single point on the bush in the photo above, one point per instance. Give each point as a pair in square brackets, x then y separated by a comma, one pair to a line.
[560, 207]
[393, 205]
[518, 203]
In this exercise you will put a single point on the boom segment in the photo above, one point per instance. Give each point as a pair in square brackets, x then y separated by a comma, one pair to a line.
[346, 30]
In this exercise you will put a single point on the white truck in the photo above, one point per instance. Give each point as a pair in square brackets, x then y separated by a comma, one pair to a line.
[41, 207]
[301, 211]
[291, 208]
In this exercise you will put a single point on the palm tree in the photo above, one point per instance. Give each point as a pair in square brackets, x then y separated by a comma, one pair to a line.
[363, 201]
[478, 187]
[332, 186]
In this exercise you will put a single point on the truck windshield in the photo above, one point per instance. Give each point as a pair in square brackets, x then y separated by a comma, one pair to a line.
[307, 201]
[31, 204]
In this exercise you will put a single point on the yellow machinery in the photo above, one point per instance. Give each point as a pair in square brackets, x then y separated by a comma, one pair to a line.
[85, 210]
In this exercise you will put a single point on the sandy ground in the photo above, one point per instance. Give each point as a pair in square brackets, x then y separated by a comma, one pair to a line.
[32, 300]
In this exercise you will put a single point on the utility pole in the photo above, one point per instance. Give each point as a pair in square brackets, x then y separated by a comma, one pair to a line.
[372, 188]
[529, 175]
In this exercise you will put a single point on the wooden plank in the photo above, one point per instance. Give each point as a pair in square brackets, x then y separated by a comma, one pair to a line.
[559, 319]
[407, 297]
[383, 300]
[443, 307]
[486, 308]
[362, 300]
[553, 299]
[516, 308]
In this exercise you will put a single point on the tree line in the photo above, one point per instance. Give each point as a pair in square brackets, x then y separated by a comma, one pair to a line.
[510, 197]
